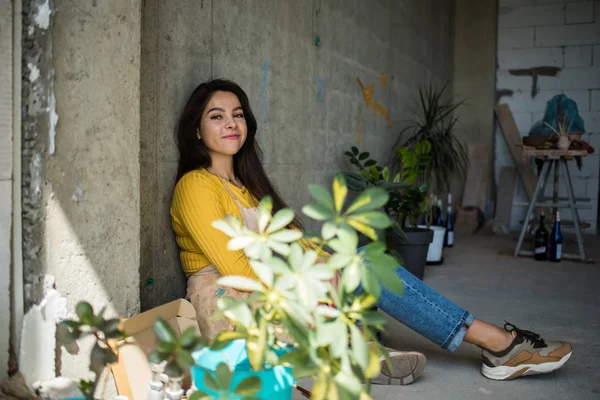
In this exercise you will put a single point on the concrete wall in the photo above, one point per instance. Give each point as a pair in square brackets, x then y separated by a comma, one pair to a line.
[475, 28]
[6, 176]
[549, 33]
[81, 102]
[307, 100]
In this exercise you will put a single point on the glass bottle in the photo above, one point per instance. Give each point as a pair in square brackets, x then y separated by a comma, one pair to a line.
[541, 240]
[556, 239]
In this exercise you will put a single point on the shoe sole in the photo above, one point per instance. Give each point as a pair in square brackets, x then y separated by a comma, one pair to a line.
[407, 367]
[504, 373]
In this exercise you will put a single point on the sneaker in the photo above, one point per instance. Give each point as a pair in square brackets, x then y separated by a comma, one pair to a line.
[407, 366]
[528, 354]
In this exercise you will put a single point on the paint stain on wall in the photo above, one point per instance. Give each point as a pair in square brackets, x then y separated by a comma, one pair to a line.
[264, 96]
[380, 111]
[534, 73]
[384, 81]
[320, 91]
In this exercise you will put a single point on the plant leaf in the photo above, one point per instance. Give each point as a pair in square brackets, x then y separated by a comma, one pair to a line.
[328, 230]
[263, 272]
[84, 311]
[317, 212]
[281, 219]
[389, 279]
[370, 283]
[224, 227]
[340, 190]
[265, 208]
[188, 337]
[240, 283]
[351, 278]
[240, 242]
[184, 359]
[373, 318]
[224, 338]
[322, 196]
[200, 395]
[364, 229]
[374, 367]
[359, 347]
[163, 331]
[249, 386]
[224, 374]
[369, 200]
[210, 382]
[286, 236]
[375, 219]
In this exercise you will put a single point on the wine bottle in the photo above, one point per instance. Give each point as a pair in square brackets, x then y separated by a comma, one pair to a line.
[439, 220]
[556, 239]
[541, 240]
[449, 238]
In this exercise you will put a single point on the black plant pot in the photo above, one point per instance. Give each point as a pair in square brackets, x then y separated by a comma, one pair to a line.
[414, 252]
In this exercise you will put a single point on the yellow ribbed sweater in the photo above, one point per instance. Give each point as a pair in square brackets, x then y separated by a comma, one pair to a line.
[199, 199]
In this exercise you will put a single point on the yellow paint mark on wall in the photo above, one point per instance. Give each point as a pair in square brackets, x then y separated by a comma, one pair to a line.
[380, 111]
[384, 81]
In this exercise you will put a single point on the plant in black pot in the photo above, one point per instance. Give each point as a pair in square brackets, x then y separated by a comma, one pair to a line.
[434, 121]
[407, 202]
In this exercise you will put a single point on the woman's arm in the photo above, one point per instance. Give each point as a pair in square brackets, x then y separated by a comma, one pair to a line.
[196, 204]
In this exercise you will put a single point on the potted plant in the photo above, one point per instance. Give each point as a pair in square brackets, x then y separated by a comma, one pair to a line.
[105, 333]
[434, 121]
[408, 201]
[295, 323]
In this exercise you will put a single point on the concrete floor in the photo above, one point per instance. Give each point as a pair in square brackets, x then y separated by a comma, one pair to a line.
[559, 301]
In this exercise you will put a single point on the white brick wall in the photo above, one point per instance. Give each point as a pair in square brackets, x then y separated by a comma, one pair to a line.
[564, 34]
[595, 100]
[567, 35]
[516, 38]
[578, 56]
[518, 17]
[525, 58]
[579, 13]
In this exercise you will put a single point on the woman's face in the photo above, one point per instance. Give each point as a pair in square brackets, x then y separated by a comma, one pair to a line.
[223, 125]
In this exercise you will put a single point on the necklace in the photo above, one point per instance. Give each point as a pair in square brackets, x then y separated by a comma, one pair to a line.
[232, 181]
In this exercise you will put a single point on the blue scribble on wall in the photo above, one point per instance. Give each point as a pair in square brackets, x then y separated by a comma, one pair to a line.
[320, 91]
[264, 97]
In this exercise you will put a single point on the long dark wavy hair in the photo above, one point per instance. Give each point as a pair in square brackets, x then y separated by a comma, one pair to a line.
[247, 165]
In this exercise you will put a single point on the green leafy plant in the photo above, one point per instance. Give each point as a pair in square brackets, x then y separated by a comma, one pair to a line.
[220, 382]
[295, 297]
[103, 330]
[175, 351]
[407, 192]
[434, 121]
[294, 300]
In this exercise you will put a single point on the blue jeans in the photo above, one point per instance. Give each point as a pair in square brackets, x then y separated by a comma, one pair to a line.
[426, 311]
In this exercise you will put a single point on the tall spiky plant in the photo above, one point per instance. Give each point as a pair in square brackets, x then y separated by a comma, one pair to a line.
[435, 121]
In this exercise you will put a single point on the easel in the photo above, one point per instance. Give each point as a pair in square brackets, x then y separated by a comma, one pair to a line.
[554, 158]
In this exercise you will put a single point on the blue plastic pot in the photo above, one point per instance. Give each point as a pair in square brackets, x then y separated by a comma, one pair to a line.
[277, 382]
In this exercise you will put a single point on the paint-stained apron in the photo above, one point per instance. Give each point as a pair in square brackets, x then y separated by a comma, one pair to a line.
[204, 292]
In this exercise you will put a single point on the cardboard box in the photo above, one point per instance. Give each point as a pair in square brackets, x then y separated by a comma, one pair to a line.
[132, 370]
